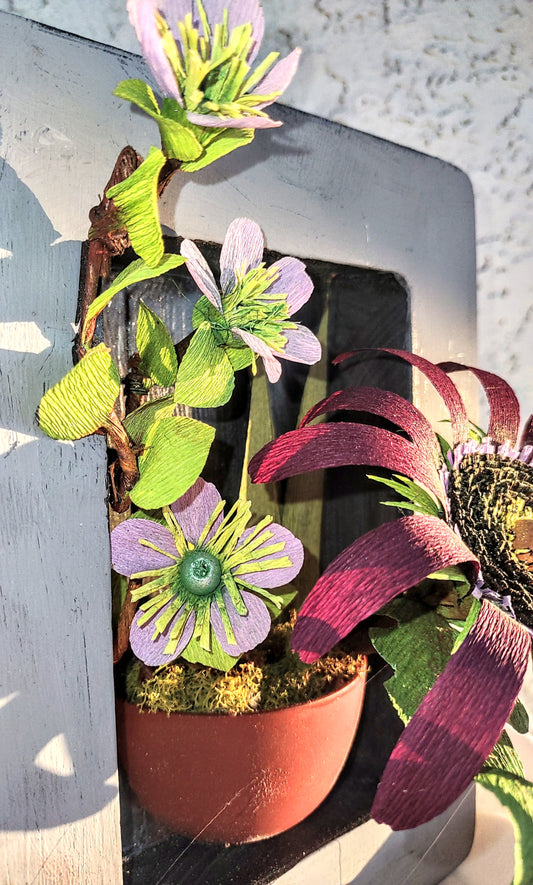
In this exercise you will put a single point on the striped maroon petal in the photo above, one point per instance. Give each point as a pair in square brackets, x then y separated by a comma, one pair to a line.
[371, 572]
[504, 421]
[457, 723]
[345, 443]
[385, 404]
[442, 384]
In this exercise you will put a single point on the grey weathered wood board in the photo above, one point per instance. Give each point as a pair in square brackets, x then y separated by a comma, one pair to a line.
[319, 191]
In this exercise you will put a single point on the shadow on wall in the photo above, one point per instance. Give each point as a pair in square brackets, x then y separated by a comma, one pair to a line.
[58, 740]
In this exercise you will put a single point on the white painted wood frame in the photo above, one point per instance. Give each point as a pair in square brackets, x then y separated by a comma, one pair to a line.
[318, 190]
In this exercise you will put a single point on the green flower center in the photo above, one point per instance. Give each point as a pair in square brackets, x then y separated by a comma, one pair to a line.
[488, 495]
[200, 572]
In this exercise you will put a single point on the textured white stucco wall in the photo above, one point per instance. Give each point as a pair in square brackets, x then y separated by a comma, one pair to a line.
[451, 78]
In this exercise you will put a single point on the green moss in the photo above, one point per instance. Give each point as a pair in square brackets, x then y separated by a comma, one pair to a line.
[268, 678]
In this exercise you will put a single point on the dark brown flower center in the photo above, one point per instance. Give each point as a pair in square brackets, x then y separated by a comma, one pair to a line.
[488, 495]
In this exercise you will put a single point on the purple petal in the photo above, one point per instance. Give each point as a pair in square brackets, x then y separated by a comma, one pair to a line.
[142, 17]
[249, 629]
[293, 281]
[279, 77]
[339, 444]
[369, 573]
[248, 122]
[457, 723]
[152, 651]
[275, 577]
[527, 434]
[128, 556]
[302, 346]
[194, 508]
[242, 250]
[442, 384]
[272, 366]
[201, 273]
[387, 405]
[504, 408]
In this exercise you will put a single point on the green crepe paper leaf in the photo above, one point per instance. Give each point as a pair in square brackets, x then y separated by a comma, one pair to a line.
[217, 144]
[139, 422]
[155, 347]
[135, 272]
[284, 599]
[304, 493]
[217, 657]
[519, 718]
[83, 400]
[422, 633]
[414, 497]
[205, 376]
[264, 497]
[504, 757]
[175, 452]
[139, 93]
[516, 794]
[177, 137]
[469, 622]
[136, 199]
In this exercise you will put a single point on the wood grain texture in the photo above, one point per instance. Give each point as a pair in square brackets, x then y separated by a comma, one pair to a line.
[59, 812]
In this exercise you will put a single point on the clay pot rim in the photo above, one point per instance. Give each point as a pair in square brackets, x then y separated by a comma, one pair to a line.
[323, 700]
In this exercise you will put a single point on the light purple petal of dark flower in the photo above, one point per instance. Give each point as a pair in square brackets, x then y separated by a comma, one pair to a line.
[302, 346]
[279, 77]
[343, 443]
[457, 724]
[249, 122]
[249, 629]
[241, 251]
[442, 384]
[504, 422]
[385, 404]
[275, 577]
[195, 507]
[293, 281]
[128, 556]
[142, 17]
[201, 273]
[152, 652]
[369, 573]
[272, 366]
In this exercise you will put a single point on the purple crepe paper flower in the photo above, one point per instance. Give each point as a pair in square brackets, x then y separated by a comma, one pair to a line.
[209, 574]
[251, 311]
[462, 716]
[200, 54]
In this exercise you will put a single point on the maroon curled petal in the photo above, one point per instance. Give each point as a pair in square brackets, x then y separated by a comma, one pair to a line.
[442, 384]
[504, 421]
[345, 443]
[130, 556]
[385, 404]
[457, 723]
[369, 573]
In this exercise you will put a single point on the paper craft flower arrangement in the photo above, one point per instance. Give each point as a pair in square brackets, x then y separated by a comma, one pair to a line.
[450, 576]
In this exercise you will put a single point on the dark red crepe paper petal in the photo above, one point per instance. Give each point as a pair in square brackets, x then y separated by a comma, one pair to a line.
[385, 404]
[504, 421]
[442, 384]
[369, 573]
[345, 443]
[457, 723]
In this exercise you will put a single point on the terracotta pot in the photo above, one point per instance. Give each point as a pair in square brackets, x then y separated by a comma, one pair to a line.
[238, 778]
